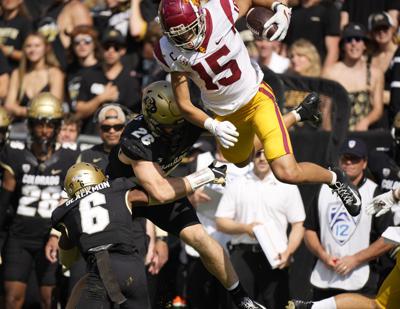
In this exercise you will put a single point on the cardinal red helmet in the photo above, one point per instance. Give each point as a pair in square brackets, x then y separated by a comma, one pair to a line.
[183, 22]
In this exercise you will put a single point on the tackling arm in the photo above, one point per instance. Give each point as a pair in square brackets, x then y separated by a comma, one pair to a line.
[163, 189]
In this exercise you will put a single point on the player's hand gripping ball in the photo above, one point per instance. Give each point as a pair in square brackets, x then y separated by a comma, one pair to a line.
[256, 19]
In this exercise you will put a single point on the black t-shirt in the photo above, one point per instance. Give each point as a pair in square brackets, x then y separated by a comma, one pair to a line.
[4, 67]
[99, 217]
[93, 83]
[38, 189]
[75, 74]
[359, 10]
[96, 155]
[13, 33]
[314, 24]
[139, 143]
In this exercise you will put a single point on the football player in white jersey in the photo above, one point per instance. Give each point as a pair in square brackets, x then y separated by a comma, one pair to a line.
[201, 43]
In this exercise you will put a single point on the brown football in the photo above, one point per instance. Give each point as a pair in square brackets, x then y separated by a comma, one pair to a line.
[256, 18]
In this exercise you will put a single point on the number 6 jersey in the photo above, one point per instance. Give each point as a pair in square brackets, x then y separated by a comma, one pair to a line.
[38, 188]
[221, 67]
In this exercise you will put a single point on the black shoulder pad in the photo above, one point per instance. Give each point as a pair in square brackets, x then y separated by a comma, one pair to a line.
[134, 149]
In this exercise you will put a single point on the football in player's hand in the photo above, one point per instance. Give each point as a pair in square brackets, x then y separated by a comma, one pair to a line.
[256, 18]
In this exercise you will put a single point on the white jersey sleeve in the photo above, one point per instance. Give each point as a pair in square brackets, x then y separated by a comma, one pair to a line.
[221, 67]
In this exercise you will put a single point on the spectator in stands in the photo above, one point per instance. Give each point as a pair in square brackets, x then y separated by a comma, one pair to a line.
[149, 70]
[319, 22]
[85, 56]
[259, 198]
[381, 27]
[344, 245]
[15, 25]
[4, 77]
[60, 18]
[110, 123]
[70, 128]
[268, 57]
[114, 83]
[305, 61]
[363, 82]
[358, 11]
[38, 72]
[118, 15]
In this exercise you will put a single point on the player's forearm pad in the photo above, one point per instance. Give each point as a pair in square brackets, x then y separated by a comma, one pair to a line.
[200, 178]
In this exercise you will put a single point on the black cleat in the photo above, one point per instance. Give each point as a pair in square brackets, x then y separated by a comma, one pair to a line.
[309, 109]
[247, 303]
[347, 192]
[299, 304]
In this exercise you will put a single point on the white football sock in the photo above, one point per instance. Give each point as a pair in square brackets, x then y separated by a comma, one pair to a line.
[334, 178]
[328, 303]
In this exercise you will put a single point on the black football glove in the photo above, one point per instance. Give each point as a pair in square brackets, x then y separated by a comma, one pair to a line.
[219, 173]
[309, 109]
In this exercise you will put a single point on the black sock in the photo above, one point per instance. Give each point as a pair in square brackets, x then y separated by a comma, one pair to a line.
[238, 294]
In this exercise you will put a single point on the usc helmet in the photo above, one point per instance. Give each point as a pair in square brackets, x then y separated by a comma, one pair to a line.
[4, 123]
[183, 22]
[45, 107]
[160, 110]
[82, 175]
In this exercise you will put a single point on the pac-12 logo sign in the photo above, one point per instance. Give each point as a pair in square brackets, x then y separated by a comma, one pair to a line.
[342, 225]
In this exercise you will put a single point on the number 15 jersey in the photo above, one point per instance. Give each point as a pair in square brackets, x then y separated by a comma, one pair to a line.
[221, 67]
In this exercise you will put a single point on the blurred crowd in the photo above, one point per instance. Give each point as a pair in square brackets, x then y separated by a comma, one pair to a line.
[96, 57]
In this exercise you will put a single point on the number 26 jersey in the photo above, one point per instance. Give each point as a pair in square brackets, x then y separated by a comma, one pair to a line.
[221, 67]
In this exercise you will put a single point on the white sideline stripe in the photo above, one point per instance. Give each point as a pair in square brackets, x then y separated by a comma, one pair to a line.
[395, 84]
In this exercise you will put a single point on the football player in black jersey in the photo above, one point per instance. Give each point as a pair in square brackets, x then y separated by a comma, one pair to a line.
[104, 236]
[97, 222]
[151, 146]
[4, 123]
[32, 182]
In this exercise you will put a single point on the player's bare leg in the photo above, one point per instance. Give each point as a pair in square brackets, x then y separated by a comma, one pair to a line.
[211, 253]
[15, 294]
[45, 296]
[353, 301]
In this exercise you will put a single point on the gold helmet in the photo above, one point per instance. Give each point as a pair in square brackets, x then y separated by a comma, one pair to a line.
[82, 175]
[45, 108]
[160, 109]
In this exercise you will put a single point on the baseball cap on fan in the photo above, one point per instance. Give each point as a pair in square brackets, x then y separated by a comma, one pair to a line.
[354, 30]
[355, 147]
[379, 20]
[113, 36]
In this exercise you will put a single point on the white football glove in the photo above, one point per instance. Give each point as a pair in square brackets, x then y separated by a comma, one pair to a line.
[224, 131]
[281, 18]
[381, 204]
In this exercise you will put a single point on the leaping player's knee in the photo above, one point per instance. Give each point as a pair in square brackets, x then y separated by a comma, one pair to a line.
[286, 169]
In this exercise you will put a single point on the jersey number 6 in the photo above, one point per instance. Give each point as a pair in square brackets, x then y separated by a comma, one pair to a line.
[94, 218]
